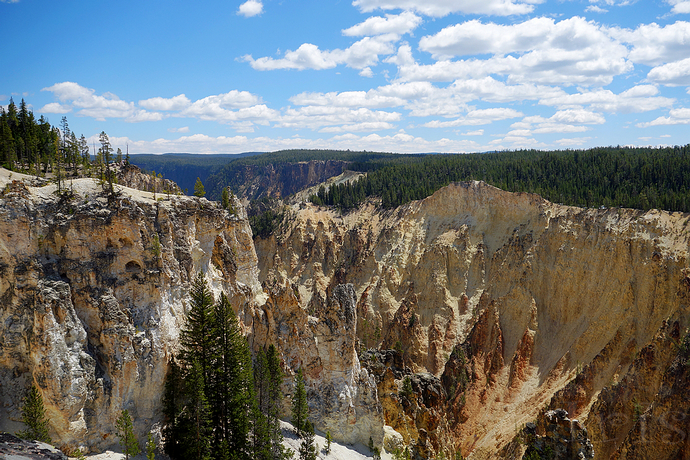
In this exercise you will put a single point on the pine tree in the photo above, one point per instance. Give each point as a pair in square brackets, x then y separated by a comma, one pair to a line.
[150, 448]
[300, 409]
[33, 416]
[275, 396]
[199, 188]
[173, 400]
[196, 428]
[329, 440]
[196, 338]
[125, 431]
[307, 448]
[233, 392]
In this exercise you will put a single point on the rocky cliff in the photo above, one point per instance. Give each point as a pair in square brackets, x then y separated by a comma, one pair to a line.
[490, 311]
[553, 307]
[92, 297]
[252, 182]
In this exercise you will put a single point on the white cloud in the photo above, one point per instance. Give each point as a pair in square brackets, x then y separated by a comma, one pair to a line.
[400, 142]
[679, 6]
[563, 121]
[439, 8]
[641, 98]
[671, 74]
[359, 55]
[55, 107]
[676, 117]
[372, 99]
[596, 9]
[540, 50]
[399, 24]
[250, 8]
[318, 116]
[159, 103]
[89, 104]
[572, 141]
[653, 44]
[358, 127]
[366, 72]
[184, 129]
[476, 117]
[478, 132]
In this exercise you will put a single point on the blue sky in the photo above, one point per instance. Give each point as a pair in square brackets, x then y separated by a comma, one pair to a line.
[387, 75]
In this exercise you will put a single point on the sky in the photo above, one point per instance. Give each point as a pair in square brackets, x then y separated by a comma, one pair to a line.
[405, 76]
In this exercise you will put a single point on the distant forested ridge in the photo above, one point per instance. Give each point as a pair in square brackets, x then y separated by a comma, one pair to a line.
[184, 168]
[276, 173]
[631, 177]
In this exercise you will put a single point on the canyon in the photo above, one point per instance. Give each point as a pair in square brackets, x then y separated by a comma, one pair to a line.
[459, 324]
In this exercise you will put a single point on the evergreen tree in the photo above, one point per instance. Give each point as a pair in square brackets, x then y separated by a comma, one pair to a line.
[106, 151]
[329, 440]
[225, 198]
[300, 409]
[233, 392]
[173, 402]
[125, 431]
[199, 188]
[307, 448]
[150, 448]
[196, 428]
[33, 416]
[196, 338]
[275, 396]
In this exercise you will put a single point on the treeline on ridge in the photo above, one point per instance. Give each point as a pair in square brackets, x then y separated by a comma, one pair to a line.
[633, 177]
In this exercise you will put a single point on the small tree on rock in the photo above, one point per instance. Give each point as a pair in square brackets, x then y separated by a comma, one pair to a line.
[34, 417]
[125, 431]
[199, 188]
[300, 409]
[307, 449]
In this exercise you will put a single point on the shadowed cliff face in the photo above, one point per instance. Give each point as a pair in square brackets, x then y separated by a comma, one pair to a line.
[275, 180]
[547, 301]
[93, 298]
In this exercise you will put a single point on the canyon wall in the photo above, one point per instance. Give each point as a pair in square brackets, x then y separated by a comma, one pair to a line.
[93, 295]
[551, 306]
[483, 312]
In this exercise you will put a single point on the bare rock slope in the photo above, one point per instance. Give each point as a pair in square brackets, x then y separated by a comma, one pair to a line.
[93, 296]
[552, 307]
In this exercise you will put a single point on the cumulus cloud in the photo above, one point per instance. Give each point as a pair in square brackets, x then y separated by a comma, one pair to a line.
[398, 24]
[316, 117]
[563, 121]
[159, 103]
[672, 74]
[439, 8]
[641, 98]
[399, 142]
[184, 129]
[653, 44]
[251, 8]
[569, 52]
[679, 116]
[359, 55]
[679, 6]
[476, 117]
[88, 104]
[55, 107]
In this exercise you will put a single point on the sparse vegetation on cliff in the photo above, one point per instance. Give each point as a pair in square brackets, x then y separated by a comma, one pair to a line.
[34, 417]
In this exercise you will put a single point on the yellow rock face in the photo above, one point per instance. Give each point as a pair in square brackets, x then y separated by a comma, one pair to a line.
[561, 286]
[94, 295]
